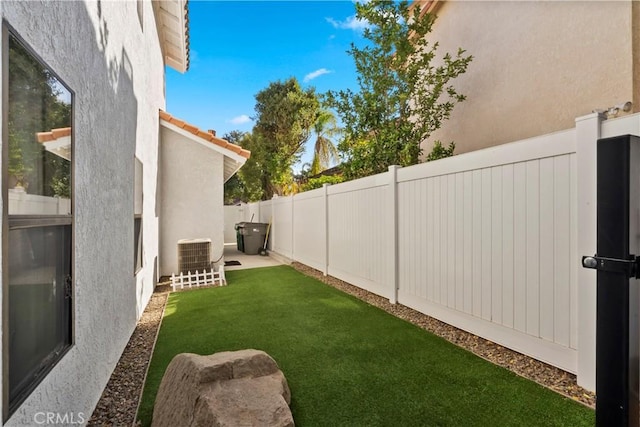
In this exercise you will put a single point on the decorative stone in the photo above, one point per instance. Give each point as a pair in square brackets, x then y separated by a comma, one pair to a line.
[232, 388]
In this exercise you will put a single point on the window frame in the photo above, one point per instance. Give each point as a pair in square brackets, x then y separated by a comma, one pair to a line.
[29, 221]
[138, 206]
[138, 262]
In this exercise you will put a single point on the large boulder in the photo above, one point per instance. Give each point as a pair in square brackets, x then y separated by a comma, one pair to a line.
[232, 388]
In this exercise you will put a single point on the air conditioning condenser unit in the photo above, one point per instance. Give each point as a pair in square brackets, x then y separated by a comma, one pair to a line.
[194, 255]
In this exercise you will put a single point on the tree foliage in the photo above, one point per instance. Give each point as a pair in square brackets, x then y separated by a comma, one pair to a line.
[405, 91]
[440, 152]
[313, 183]
[324, 151]
[285, 116]
[234, 188]
[250, 176]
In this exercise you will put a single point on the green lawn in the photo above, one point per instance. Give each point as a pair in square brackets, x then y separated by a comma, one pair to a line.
[348, 363]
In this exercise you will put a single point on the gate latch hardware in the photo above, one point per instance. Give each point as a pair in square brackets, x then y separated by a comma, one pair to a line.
[630, 267]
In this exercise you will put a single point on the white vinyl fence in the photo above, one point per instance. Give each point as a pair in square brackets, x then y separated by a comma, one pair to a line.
[22, 203]
[232, 216]
[488, 241]
[256, 212]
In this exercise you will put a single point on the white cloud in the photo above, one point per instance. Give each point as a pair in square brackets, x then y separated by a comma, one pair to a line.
[240, 119]
[316, 73]
[351, 23]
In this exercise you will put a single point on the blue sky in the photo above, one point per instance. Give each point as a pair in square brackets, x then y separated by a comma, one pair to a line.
[239, 47]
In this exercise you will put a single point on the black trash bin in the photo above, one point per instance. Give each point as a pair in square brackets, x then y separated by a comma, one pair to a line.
[253, 234]
[239, 236]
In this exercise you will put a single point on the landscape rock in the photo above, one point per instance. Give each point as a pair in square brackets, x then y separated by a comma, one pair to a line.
[233, 388]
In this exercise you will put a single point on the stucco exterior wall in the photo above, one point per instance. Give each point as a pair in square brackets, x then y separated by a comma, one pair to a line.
[191, 183]
[114, 66]
[635, 32]
[537, 66]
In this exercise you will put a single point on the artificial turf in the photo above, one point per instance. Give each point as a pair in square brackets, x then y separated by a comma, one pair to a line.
[348, 363]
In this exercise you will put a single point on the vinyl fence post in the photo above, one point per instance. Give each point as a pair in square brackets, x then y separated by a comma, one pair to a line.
[587, 135]
[273, 223]
[325, 189]
[393, 217]
[272, 239]
[293, 229]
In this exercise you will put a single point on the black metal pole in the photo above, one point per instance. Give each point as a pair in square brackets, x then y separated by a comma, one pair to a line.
[617, 324]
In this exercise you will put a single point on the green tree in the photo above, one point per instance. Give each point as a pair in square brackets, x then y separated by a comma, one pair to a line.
[234, 188]
[405, 92]
[318, 182]
[285, 116]
[252, 174]
[440, 152]
[325, 127]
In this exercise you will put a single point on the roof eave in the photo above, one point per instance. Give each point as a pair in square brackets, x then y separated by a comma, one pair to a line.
[234, 168]
[224, 151]
[172, 21]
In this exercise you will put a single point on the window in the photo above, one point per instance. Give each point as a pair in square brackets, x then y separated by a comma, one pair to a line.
[37, 283]
[137, 217]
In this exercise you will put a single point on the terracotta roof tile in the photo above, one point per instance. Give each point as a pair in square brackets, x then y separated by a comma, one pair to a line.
[53, 135]
[191, 128]
[204, 135]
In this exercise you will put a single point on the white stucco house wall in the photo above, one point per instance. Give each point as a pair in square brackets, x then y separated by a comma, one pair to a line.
[110, 57]
[537, 65]
[193, 169]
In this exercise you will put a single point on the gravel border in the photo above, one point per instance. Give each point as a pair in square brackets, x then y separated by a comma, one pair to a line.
[119, 402]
